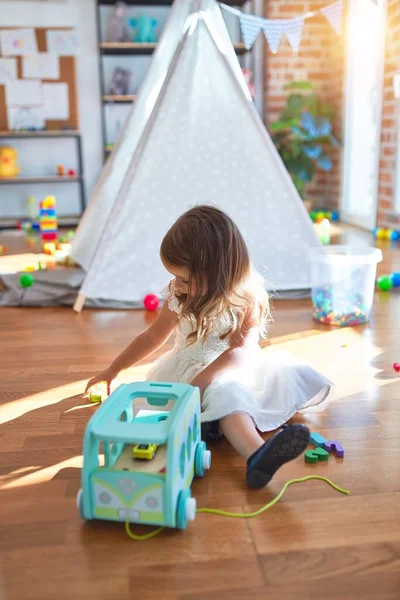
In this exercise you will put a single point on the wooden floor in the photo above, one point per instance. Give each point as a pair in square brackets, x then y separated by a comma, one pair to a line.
[314, 543]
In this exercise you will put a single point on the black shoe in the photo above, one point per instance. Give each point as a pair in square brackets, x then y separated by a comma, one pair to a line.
[284, 446]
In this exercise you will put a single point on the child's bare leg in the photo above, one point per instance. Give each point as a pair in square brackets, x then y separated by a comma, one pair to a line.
[240, 431]
[263, 458]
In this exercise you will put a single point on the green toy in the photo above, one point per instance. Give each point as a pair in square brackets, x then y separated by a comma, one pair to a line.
[313, 456]
[26, 280]
[384, 283]
[144, 29]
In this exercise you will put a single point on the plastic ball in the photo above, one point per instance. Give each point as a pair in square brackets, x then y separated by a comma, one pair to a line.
[335, 216]
[27, 280]
[385, 283]
[313, 215]
[375, 232]
[320, 216]
[395, 277]
[388, 234]
[395, 235]
[151, 302]
[396, 367]
[381, 234]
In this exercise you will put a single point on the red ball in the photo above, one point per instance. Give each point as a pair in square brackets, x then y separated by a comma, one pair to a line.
[396, 367]
[151, 302]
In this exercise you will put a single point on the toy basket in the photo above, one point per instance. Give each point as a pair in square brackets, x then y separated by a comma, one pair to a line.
[343, 282]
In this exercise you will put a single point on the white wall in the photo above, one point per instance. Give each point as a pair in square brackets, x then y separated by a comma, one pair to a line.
[70, 13]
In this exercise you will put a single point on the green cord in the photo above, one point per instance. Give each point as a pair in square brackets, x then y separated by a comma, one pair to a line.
[224, 513]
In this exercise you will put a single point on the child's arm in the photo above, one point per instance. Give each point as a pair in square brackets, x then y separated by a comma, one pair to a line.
[141, 347]
[233, 357]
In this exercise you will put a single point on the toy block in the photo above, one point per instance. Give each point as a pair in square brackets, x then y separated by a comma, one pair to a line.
[313, 456]
[335, 447]
[317, 439]
[95, 398]
[49, 237]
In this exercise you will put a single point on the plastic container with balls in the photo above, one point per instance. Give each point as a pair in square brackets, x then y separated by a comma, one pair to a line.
[343, 283]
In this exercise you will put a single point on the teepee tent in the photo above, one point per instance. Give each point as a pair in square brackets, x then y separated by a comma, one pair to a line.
[193, 137]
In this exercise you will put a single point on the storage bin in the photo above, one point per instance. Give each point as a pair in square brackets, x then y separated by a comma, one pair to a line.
[343, 283]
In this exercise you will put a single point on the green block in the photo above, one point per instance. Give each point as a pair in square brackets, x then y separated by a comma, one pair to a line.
[313, 456]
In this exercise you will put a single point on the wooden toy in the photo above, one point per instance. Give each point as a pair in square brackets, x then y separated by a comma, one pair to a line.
[61, 170]
[335, 447]
[313, 456]
[152, 492]
[317, 439]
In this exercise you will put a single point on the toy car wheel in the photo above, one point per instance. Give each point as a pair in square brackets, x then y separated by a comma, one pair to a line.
[206, 460]
[202, 460]
[79, 502]
[184, 509]
[190, 509]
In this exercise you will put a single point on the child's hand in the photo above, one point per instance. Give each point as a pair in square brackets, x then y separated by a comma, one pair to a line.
[107, 376]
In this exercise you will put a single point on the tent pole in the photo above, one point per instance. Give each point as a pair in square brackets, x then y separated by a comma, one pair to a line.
[79, 302]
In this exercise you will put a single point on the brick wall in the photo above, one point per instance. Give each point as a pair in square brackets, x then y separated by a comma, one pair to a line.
[320, 60]
[390, 123]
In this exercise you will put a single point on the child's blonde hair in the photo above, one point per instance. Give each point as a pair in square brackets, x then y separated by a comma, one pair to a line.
[207, 242]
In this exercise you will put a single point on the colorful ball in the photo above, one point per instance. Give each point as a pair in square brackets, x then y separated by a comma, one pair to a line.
[380, 234]
[313, 215]
[335, 216]
[395, 277]
[388, 234]
[151, 302]
[385, 283]
[27, 280]
[395, 235]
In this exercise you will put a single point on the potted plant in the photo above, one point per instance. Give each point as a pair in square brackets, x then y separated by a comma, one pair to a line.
[303, 134]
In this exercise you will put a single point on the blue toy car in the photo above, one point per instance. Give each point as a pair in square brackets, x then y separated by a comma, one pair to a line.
[154, 491]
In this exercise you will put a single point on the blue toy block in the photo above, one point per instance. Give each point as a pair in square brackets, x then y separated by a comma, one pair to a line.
[317, 439]
[155, 491]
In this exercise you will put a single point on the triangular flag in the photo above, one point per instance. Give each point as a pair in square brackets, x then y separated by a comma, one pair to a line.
[294, 32]
[334, 14]
[273, 30]
[251, 27]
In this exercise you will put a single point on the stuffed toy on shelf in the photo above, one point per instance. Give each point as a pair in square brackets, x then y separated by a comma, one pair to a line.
[120, 82]
[144, 29]
[117, 30]
[8, 162]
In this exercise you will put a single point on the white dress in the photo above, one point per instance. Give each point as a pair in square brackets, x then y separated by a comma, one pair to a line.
[270, 388]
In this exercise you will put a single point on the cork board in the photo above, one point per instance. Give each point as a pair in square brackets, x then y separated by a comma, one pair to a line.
[67, 75]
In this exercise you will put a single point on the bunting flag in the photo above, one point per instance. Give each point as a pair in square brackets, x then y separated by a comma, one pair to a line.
[334, 14]
[294, 32]
[251, 27]
[273, 31]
